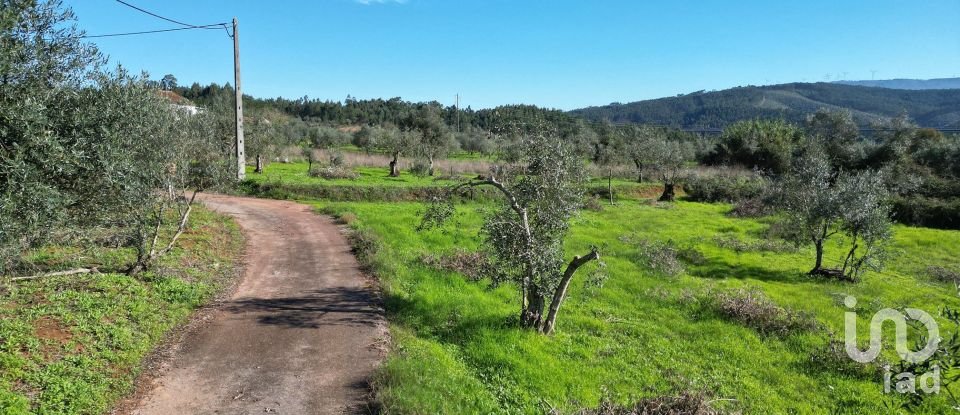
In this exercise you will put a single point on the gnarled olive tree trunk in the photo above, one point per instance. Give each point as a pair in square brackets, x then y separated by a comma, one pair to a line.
[394, 171]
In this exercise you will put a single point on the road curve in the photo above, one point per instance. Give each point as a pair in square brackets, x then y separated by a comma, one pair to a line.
[298, 336]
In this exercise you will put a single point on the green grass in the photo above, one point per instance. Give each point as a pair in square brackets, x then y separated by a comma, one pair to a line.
[457, 348]
[73, 345]
[296, 173]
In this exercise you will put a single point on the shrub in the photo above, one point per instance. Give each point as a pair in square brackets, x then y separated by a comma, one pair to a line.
[333, 172]
[943, 274]
[347, 218]
[738, 245]
[593, 203]
[473, 265]
[366, 245]
[664, 257]
[728, 188]
[832, 357]
[685, 403]
[928, 212]
[420, 168]
[753, 207]
[753, 309]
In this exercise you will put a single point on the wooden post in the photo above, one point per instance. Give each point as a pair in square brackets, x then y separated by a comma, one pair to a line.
[238, 100]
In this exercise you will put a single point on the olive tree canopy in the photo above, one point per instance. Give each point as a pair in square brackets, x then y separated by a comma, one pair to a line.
[542, 189]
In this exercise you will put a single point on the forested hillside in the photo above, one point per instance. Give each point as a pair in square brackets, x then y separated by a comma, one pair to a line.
[793, 102]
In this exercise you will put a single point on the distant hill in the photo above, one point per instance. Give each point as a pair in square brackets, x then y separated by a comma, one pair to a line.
[915, 84]
[717, 109]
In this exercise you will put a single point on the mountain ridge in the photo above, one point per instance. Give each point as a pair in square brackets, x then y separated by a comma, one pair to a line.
[937, 108]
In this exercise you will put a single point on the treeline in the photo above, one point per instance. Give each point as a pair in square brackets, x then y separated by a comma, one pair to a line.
[921, 164]
[920, 167]
[791, 102]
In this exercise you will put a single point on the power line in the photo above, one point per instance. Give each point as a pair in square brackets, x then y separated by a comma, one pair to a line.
[156, 15]
[209, 26]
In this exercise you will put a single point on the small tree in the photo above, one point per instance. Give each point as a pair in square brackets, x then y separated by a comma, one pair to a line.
[168, 82]
[812, 206]
[395, 143]
[760, 144]
[865, 221]
[308, 154]
[838, 134]
[434, 138]
[669, 158]
[542, 191]
[820, 203]
[638, 144]
[607, 151]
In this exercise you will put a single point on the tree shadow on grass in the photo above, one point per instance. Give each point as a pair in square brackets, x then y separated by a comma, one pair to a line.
[446, 321]
[340, 306]
[717, 269]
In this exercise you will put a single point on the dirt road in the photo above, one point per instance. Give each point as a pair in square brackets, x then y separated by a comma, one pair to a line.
[298, 336]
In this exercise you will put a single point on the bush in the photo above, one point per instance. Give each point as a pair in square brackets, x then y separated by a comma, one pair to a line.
[928, 212]
[593, 203]
[832, 357]
[738, 245]
[728, 188]
[420, 168]
[751, 208]
[685, 403]
[665, 257]
[366, 246]
[753, 309]
[473, 265]
[347, 218]
[333, 172]
[943, 274]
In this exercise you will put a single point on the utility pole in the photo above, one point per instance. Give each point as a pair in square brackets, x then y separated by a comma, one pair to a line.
[238, 101]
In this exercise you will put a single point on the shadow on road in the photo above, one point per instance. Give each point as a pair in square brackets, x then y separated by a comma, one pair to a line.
[327, 307]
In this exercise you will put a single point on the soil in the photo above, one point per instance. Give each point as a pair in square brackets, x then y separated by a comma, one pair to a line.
[302, 333]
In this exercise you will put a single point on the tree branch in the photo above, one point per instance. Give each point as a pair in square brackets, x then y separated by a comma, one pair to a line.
[58, 274]
[561, 291]
[181, 227]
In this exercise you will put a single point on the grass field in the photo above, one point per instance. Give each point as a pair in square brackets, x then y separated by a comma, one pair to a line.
[73, 345]
[457, 348]
[296, 174]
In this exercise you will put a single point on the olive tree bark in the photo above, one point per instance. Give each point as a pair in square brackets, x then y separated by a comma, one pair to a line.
[669, 192]
[430, 160]
[639, 170]
[561, 292]
[394, 171]
[259, 168]
[822, 234]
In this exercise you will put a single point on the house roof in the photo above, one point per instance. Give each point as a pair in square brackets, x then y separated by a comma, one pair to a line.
[175, 98]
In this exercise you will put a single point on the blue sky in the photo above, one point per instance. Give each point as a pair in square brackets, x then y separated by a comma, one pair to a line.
[560, 54]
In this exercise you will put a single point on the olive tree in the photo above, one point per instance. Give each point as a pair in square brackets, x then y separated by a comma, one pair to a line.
[541, 189]
[433, 139]
[607, 151]
[42, 63]
[838, 134]
[668, 159]
[86, 155]
[638, 144]
[820, 203]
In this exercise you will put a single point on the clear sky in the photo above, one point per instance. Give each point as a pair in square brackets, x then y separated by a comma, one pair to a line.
[561, 54]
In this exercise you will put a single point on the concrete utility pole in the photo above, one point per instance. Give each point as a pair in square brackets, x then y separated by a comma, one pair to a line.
[238, 100]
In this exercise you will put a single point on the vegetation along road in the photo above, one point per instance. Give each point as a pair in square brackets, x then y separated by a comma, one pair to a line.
[299, 335]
